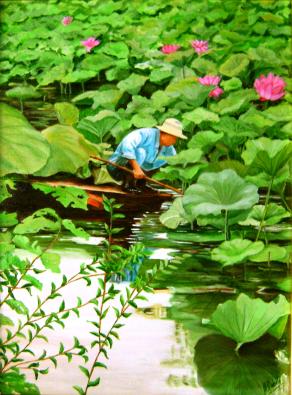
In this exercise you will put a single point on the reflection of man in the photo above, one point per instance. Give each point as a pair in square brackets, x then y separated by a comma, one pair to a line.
[140, 149]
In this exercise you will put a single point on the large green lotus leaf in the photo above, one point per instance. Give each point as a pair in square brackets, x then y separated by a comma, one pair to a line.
[97, 62]
[86, 95]
[280, 113]
[273, 215]
[23, 92]
[107, 99]
[78, 76]
[159, 76]
[267, 155]
[246, 320]
[23, 149]
[235, 102]
[215, 192]
[67, 113]
[185, 157]
[132, 84]
[204, 66]
[235, 251]
[174, 216]
[95, 129]
[271, 252]
[218, 221]
[234, 65]
[256, 118]
[221, 371]
[200, 115]
[235, 165]
[205, 140]
[69, 150]
[181, 87]
[141, 119]
[232, 84]
[119, 50]
[285, 285]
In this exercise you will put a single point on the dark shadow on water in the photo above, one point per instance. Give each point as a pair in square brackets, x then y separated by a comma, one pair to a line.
[254, 370]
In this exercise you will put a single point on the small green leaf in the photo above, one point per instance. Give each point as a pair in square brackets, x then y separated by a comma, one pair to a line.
[4, 320]
[99, 365]
[34, 281]
[79, 390]
[51, 261]
[79, 232]
[84, 370]
[94, 383]
[17, 306]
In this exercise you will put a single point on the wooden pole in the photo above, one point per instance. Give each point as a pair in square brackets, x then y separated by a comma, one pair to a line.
[146, 177]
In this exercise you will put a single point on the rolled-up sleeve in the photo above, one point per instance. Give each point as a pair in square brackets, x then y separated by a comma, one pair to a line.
[129, 144]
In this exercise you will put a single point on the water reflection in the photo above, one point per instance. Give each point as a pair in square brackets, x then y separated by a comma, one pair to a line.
[253, 371]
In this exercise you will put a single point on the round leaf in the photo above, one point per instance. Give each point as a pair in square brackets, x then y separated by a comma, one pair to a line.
[234, 65]
[235, 251]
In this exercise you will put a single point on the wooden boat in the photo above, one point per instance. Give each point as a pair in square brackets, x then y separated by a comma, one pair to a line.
[26, 199]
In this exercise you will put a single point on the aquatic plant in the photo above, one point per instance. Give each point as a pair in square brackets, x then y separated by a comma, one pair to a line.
[169, 48]
[90, 43]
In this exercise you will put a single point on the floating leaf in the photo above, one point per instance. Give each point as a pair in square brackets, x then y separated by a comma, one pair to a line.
[234, 65]
[23, 149]
[246, 320]
[215, 192]
[270, 253]
[51, 262]
[23, 92]
[235, 251]
[67, 113]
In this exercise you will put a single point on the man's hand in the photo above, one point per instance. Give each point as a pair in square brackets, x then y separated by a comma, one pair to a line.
[137, 171]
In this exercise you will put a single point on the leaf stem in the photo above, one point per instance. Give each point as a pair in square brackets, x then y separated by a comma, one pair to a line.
[265, 209]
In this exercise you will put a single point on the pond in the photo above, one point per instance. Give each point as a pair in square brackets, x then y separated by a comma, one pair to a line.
[164, 348]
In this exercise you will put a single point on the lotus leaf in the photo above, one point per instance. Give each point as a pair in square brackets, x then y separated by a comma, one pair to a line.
[204, 66]
[69, 150]
[95, 130]
[221, 371]
[235, 251]
[159, 76]
[78, 76]
[236, 102]
[174, 216]
[271, 252]
[215, 192]
[8, 219]
[205, 140]
[285, 285]
[23, 149]
[254, 117]
[23, 92]
[200, 115]
[234, 65]
[119, 50]
[280, 113]
[235, 165]
[97, 62]
[218, 221]
[67, 113]
[232, 84]
[273, 215]
[132, 84]
[246, 320]
[266, 155]
[185, 157]
[107, 99]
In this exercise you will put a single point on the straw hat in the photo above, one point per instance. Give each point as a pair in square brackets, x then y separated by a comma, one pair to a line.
[172, 126]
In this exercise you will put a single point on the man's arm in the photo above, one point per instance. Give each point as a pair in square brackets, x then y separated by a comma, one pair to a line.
[138, 172]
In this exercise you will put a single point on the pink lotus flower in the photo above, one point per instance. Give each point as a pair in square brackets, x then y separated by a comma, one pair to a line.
[270, 87]
[67, 20]
[167, 49]
[90, 43]
[212, 80]
[200, 46]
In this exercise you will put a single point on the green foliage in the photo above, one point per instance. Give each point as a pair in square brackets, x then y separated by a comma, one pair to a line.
[23, 92]
[67, 113]
[44, 219]
[219, 191]
[67, 196]
[245, 320]
[79, 232]
[23, 149]
[234, 65]
[51, 261]
[236, 251]
[271, 216]
[14, 383]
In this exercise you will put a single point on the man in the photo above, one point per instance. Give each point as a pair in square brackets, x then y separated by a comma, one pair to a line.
[140, 150]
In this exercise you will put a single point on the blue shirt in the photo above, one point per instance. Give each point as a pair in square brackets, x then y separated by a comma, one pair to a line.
[143, 146]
